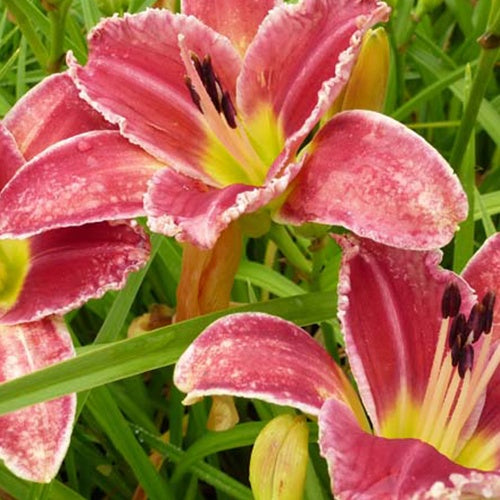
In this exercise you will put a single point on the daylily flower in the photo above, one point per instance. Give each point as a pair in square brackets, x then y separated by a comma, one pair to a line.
[423, 348]
[222, 97]
[52, 272]
[59, 270]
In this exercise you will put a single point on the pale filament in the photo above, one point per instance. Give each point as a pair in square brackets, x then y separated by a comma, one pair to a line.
[450, 400]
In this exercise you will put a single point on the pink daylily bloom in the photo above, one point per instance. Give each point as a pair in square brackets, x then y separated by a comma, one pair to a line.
[423, 345]
[34, 440]
[220, 105]
[65, 267]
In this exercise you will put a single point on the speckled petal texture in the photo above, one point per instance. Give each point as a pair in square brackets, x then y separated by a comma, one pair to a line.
[34, 440]
[374, 176]
[89, 178]
[135, 78]
[236, 19]
[191, 211]
[390, 310]
[259, 356]
[54, 100]
[72, 265]
[363, 466]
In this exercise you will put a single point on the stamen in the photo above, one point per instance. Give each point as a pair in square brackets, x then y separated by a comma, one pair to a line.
[450, 305]
[234, 140]
[489, 304]
[194, 95]
[228, 110]
[466, 360]
[457, 331]
[476, 321]
[210, 81]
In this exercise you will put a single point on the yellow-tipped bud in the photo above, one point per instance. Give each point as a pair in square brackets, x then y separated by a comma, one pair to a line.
[279, 459]
[367, 85]
[223, 414]
[14, 264]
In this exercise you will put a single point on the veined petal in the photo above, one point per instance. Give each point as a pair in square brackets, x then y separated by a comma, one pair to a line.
[72, 265]
[236, 19]
[300, 75]
[191, 211]
[11, 158]
[374, 176]
[54, 100]
[255, 355]
[136, 78]
[365, 466]
[34, 440]
[88, 178]
[390, 310]
[483, 274]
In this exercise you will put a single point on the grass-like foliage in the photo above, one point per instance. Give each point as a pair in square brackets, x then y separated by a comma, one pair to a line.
[132, 434]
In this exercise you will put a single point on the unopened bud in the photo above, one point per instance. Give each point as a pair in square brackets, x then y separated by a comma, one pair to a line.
[279, 459]
[159, 315]
[223, 414]
[367, 84]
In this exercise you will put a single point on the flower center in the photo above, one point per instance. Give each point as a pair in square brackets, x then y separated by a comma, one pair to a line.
[231, 156]
[463, 365]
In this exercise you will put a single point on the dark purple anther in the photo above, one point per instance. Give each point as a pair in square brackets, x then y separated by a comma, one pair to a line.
[210, 82]
[194, 95]
[228, 110]
[197, 66]
[452, 299]
[458, 331]
[466, 360]
[488, 303]
[476, 321]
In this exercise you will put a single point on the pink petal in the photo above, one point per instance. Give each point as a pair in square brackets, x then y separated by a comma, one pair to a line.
[483, 274]
[390, 310]
[374, 176]
[55, 100]
[11, 158]
[255, 355]
[236, 19]
[72, 265]
[88, 178]
[363, 466]
[34, 440]
[192, 211]
[302, 57]
[135, 78]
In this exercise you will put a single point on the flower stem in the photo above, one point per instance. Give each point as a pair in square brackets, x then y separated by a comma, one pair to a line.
[289, 249]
